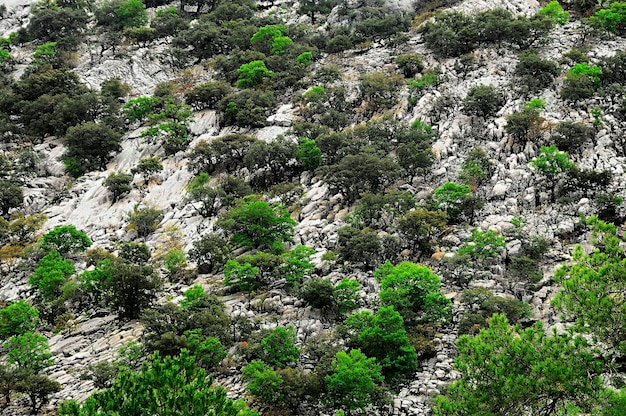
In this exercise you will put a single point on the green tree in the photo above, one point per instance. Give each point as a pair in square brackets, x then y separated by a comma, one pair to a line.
[11, 196]
[252, 74]
[483, 245]
[279, 348]
[555, 12]
[119, 183]
[209, 200]
[593, 284]
[552, 164]
[317, 292]
[263, 382]
[456, 200]
[145, 220]
[522, 125]
[139, 108]
[29, 351]
[207, 95]
[482, 101]
[149, 391]
[66, 239]
[570, 136]
[92, 145]
[346, 296]
[535, 72]
[308, 154]
[382, 336]
[612, 19]
[420, 226]
[17, 318]
[131, 288]
[510, 370]
[581, 82]
[311, 7]
[359, 246]
[38, 389]
[131, 13]
[414, 291]
[209, 253]
[296, 264]
[256, 224]
[353, 382]
[50, 274]
[360, 173]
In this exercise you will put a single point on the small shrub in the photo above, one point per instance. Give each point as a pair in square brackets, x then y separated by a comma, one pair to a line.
[65, 239]
[535, 72]
[482, 101]
[410, 64]
[144, 220]
[483, 245]
[119, 184]
[581, 82]
[555, 12]
[380, 90]
[207, 95]
[476, 167]
[317, 292]
[253, 74]
[570, 136]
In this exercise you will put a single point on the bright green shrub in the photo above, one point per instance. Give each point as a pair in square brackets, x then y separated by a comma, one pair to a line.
[50, 274]
[382, 336]
[257, 224]
[17, 318]
[252, 74]
[483, 245]
[414, 292]
[555, 12]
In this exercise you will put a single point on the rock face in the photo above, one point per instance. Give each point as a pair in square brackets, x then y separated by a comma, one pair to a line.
[512, 192]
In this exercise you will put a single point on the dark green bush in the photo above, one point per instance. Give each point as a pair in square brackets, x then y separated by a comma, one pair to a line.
[255, 223]
[482, 101]
[92, 145]
[11, 196]
[360, 173]
[359, 246]
[581, 82]
[247, 108]
[535, 72]
[144, 220]
[207, 95]
[410, 64]
[571, 136]
[522, 125]
[119, 184]
[383, 336]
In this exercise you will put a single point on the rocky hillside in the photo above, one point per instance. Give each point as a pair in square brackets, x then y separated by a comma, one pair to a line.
[529, 206]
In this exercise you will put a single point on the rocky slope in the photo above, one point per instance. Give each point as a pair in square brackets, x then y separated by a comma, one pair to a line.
[511, 191]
